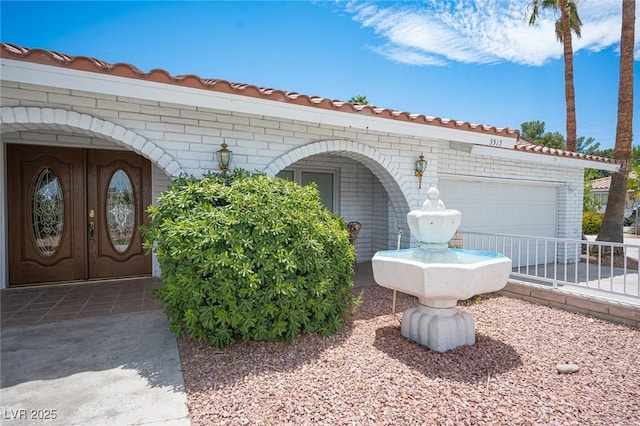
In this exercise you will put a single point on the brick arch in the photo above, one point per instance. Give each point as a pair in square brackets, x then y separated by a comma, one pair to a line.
[15, 119]
[388, 175]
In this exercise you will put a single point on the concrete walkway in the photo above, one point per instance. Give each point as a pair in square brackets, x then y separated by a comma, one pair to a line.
[119, 369]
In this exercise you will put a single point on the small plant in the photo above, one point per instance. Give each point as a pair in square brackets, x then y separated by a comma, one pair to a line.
[246, 256]
[473, 300]
[591, 223]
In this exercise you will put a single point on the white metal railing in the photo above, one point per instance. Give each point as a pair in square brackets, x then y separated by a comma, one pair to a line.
[591, 265]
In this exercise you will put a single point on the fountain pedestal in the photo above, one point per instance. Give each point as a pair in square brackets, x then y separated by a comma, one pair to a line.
[439, 276]
[440, 329]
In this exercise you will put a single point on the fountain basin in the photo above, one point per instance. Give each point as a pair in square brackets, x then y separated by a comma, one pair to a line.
[440, 278]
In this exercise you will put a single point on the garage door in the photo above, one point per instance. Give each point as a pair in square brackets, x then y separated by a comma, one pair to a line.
[505, 208]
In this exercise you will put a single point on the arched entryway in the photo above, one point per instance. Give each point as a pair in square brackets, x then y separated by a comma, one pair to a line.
[18, 119]
[358, 183]
[73, 210]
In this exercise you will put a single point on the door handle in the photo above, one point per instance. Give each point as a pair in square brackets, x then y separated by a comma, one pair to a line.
[92, 224]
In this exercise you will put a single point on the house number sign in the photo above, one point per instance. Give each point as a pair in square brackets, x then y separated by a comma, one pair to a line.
[495, 141]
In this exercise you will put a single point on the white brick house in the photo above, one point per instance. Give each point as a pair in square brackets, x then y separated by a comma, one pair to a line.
[70, 123]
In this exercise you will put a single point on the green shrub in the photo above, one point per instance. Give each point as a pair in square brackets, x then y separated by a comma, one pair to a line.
[591, 223]
[246, 256]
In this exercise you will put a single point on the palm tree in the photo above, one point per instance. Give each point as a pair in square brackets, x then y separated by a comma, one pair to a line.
[611, 229]
[569, 20]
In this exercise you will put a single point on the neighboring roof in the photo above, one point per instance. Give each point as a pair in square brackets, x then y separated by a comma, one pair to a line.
[602, 183]
[84, 63]
[605, 182]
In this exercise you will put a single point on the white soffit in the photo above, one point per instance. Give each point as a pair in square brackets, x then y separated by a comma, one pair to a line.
[45, 75]
[550, 160]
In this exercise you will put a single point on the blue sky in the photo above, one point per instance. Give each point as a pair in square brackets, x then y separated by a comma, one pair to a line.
[467, 60]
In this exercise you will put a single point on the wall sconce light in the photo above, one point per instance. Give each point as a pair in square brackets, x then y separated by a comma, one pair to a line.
[224, 157]
[421, 166]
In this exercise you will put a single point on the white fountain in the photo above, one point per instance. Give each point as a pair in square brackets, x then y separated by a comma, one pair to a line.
[439, 276]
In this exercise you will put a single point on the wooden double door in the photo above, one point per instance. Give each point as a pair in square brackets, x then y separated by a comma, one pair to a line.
[74, 214]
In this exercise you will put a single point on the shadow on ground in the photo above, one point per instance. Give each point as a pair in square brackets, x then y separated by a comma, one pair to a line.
[472, 364]
[108, 370]
[55, 350]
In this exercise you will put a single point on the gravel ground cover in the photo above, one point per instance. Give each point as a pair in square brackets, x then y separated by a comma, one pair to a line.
[368, 374]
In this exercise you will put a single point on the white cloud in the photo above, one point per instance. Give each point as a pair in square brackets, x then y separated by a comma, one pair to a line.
[434, 32]
[408, 55]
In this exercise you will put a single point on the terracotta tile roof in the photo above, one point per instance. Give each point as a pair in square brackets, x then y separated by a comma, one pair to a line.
[602, 183]
[84, 63]
[524, 144]
[605, 182]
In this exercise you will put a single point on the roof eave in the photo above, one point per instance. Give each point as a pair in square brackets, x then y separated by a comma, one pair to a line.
[89, 81]
[538, 158]
[36, 66]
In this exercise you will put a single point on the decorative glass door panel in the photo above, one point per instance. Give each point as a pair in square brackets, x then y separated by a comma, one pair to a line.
[121, 211]
[47, 212]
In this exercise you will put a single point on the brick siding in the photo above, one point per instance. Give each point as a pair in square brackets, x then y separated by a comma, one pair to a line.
[377, 182]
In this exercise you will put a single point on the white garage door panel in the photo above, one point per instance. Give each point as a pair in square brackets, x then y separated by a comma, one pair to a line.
[504, 208]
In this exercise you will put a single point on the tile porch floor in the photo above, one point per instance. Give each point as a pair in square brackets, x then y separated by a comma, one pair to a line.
[43, 304]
